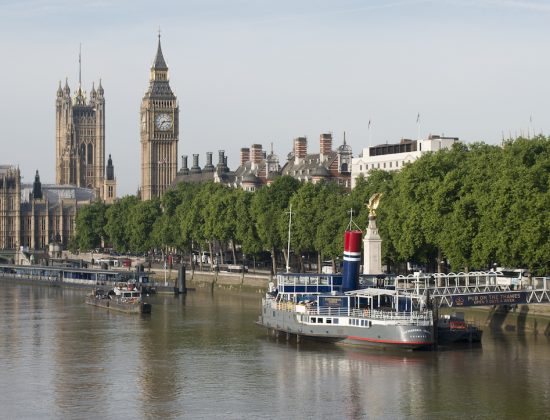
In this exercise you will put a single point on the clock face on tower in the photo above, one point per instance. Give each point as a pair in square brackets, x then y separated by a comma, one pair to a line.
[163, 122]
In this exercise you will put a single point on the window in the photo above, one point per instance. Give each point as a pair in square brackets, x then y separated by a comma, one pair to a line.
[335, 321]
[329, 320]
[90, 158]
[313, 320]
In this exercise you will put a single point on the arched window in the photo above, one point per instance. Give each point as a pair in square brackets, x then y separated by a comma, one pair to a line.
[90, 159]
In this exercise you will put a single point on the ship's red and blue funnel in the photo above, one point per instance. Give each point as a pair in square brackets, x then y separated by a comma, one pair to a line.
[352, 259]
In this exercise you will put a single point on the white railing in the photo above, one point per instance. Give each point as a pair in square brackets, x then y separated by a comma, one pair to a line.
[406, 317]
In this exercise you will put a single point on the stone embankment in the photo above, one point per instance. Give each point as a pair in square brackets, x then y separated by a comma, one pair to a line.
[242, 282]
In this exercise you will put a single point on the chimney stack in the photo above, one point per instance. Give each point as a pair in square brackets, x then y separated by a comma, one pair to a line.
[195, 168]
[256, 154]
[300, 147]
[208, 167]
[325, 144]
[184, 168]
[222, 162]
[245, 155]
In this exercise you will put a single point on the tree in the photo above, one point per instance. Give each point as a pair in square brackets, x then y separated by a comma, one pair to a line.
[245, 226]
[141, 220]
[332, 215]
[90, 223]
[118, 222]
[268, 205]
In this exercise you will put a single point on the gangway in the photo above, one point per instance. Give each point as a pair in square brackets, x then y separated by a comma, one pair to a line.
[477, 288]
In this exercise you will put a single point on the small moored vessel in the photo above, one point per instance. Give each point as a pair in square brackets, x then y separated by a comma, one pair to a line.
[453, 329]
[124, 297]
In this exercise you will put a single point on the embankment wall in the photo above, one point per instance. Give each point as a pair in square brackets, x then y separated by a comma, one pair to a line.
[228, 281]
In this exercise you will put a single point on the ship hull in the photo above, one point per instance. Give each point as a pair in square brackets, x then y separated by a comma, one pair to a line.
[126, 307]
[375, 333]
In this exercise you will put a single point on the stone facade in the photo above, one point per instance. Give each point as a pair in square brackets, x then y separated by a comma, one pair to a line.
[159, 132]
[80, 138]
[109, 185]
[195, 174]
[10, 207]
[392, 157]
[372, 249]
[328, 164]
[258, 168]
[32, 215]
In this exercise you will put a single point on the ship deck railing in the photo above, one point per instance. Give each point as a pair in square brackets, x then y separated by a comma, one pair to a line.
[415, 317]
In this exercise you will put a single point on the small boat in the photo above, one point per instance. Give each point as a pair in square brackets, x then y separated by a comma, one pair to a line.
[453, 329]
[124, 297]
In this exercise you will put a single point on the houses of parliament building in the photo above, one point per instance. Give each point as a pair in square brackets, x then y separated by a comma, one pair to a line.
[33, 215]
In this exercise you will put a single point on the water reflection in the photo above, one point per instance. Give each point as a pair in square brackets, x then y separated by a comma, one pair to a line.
[201, 356]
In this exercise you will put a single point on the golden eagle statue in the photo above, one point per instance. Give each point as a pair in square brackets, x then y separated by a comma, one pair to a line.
[373, 203]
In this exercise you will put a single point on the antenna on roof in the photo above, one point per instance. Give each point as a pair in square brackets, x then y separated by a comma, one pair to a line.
[80, 66]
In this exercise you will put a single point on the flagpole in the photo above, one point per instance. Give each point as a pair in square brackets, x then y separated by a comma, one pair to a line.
[418, 126]
[530, 127]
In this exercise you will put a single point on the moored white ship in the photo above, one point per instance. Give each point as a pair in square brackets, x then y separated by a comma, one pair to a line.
[315, 306]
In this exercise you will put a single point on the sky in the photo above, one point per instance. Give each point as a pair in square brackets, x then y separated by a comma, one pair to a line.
[258, 71]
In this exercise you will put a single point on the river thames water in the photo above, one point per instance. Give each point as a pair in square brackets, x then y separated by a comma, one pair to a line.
[202, 356]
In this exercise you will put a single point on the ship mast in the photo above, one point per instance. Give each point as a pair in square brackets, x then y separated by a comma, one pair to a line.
[288, 242]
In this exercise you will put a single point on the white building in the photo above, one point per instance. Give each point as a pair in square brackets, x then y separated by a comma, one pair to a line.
[392, 157]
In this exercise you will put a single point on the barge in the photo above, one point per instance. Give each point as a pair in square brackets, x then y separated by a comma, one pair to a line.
[123, 298]
[453, 329]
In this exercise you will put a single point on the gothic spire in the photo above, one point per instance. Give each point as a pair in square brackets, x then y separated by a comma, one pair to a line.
[37, 187]
[100, 90]
[159, 63]
[110, 169]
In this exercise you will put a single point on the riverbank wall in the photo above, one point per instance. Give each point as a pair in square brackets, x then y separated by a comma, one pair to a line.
[512, 319]
[241, 282]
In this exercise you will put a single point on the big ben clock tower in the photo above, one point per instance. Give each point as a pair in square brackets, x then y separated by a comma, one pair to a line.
[159, 132]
